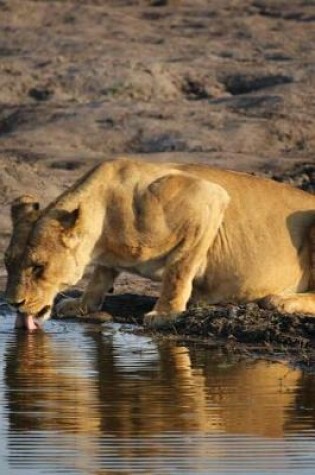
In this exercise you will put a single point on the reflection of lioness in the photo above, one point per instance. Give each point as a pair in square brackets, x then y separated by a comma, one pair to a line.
[229, 236]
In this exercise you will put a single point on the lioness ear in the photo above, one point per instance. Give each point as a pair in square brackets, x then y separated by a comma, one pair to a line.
[69, 221]
[25, 208]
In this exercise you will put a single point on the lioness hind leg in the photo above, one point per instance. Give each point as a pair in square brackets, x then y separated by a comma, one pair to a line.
[92, 298]
[204, 204]
[303, 303]
[299, 302]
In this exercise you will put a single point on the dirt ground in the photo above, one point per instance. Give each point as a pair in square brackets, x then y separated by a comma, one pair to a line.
[224, 82]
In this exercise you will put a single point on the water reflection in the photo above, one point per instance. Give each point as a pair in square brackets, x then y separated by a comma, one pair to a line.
[83, 401]
[48, 387]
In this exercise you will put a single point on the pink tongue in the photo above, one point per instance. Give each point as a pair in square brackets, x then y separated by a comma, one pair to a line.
[25, 321]
[29, 323]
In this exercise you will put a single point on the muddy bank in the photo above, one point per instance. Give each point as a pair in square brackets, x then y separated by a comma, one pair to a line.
[248, 329]
[238, 327]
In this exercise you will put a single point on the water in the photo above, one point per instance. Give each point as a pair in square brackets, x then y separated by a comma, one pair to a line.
[78, 400]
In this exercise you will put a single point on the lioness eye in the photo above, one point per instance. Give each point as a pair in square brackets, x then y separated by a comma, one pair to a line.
[38, 270]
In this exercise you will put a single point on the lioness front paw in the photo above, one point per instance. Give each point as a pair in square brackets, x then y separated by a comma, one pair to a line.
[70, 307]
[155, 319]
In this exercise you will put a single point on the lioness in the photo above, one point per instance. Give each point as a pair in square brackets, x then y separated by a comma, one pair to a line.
[217, 235]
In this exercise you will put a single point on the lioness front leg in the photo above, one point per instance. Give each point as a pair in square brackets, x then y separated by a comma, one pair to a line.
[92, 299]
[189, 257]
[175, 293]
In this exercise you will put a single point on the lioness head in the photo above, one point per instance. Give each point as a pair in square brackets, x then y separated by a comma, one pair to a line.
[41, 258]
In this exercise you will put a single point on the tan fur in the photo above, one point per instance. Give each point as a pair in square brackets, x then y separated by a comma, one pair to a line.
[220, 236]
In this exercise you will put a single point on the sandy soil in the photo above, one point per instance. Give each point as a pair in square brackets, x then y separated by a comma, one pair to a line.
[224, 82]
